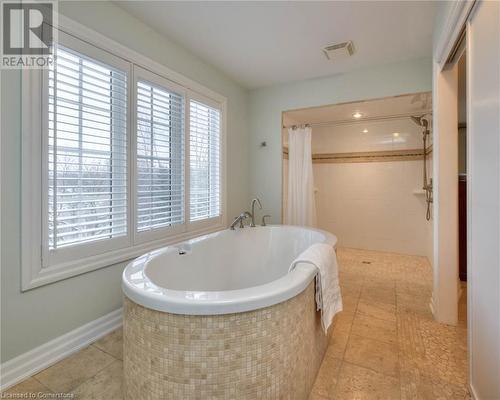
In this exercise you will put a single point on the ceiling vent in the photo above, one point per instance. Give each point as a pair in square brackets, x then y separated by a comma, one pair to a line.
[340, 50]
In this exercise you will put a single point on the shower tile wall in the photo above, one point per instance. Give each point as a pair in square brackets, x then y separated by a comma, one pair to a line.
[372, 205]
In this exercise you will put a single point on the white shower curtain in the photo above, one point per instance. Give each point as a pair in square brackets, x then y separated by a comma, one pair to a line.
[301, 208]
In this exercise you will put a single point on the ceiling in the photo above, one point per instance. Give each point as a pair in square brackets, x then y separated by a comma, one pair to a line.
[261, 43]
[411, 104]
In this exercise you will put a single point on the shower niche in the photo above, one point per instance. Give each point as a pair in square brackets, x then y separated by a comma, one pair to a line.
[372, 171]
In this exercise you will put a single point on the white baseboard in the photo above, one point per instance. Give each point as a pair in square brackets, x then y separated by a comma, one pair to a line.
[472, 392]
[41, 357]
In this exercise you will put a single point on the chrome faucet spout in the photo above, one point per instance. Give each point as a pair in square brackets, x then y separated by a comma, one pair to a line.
[256, 200]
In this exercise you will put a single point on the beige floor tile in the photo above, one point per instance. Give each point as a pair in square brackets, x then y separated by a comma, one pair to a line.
[378, 295]
[315, 396]
[378, 356]
[380, 283]
[377, 310]
[342, 322]
[416, 290]
[432, 350]
[106, 385]
[112, 344]
[349, 304]
[408, 304]
[71, 372]
[358, 383]
[327, 378]
[29, 385]
[338, 343]
[375, 328]
[420, 387]
[350, 289]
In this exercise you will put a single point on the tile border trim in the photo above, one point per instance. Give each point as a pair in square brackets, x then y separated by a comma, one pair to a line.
[27, 364]
[367, 156]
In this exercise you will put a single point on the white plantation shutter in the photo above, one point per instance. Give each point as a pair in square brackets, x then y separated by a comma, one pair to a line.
[204, 161]
[160, 157]
[87, 150]
[118, 154]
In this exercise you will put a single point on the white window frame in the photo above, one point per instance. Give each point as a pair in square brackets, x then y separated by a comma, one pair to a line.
[141, 74]
[67, 254]
[204, 223]
[78, 259]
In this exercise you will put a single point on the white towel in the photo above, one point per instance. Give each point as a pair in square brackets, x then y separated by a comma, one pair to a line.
[328, 297]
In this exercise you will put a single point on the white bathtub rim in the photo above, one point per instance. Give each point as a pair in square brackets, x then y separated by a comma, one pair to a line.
[227, 301]
[145, 293]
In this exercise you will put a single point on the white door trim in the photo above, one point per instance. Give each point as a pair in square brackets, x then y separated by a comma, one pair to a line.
[455, 22]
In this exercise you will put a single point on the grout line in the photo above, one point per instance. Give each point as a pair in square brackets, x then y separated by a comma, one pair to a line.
[108, 353]
[374, 370]
[49, 390]
[102, 369]
[104, 351]
[370, 369]
[72, 389]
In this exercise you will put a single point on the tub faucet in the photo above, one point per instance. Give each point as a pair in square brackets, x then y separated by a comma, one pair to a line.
[264, 219]
[239, 220]
[252, 215]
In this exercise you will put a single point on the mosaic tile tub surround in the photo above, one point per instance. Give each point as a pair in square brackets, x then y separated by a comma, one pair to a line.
[269, 353]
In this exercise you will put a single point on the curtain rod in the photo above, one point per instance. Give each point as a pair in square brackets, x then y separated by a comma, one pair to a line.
[358, 121]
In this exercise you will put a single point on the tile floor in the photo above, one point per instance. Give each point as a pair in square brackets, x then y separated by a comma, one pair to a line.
[384, 346]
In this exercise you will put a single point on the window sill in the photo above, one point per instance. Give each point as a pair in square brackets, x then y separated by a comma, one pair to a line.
[43, 276]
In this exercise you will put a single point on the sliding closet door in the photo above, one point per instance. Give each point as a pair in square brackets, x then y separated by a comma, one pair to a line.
[484, 199]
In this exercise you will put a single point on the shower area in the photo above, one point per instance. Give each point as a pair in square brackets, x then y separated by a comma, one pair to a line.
[371, 172]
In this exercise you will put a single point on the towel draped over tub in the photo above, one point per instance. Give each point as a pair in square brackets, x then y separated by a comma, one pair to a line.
[328, 297]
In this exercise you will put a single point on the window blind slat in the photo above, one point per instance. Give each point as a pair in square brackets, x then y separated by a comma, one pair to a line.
[87, 154]
[160, 157]
[204, 146]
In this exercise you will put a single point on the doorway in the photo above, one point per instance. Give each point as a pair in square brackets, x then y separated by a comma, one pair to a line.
[372, 173]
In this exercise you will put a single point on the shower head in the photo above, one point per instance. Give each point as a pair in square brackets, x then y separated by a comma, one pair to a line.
[420, 120]
[416, 119]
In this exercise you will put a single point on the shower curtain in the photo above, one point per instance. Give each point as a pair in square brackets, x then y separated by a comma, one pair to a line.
[301, 208]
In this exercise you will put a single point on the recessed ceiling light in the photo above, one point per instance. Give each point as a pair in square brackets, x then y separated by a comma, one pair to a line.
[395, 134]
[357, 115]
[365, 130]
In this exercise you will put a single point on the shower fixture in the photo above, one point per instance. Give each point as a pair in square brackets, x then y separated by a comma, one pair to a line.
[423, 122]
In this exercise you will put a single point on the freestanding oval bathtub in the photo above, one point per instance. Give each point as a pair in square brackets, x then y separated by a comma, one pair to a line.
[220, 317]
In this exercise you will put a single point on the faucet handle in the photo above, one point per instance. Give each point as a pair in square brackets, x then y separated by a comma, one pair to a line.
[264, 219]
[243, 216]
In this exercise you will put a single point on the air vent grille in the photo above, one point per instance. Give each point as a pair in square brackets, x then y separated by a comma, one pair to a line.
[339, 50]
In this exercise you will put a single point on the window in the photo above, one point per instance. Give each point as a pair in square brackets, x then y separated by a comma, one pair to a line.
[159, 154]
[204, 156]
[87, 151]
[160, 151]
[130, 160]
